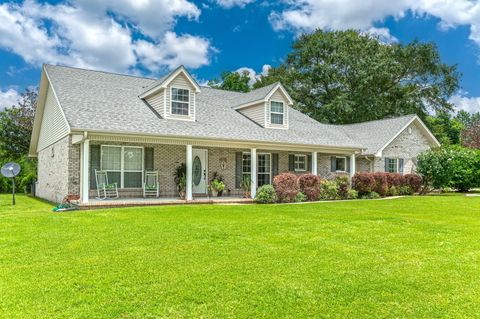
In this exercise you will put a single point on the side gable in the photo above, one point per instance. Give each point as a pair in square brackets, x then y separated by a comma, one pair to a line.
[412, 139]
[50, 124]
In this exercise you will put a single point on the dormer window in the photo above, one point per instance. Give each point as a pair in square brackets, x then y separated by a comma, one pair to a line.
[180, 101]
[276, 112]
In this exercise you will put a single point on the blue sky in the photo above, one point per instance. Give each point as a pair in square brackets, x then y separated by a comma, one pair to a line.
[150, 37]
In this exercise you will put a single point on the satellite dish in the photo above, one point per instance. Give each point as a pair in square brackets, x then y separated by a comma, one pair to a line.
[11, 170]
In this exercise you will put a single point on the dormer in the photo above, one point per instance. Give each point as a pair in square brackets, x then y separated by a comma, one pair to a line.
[173, 96]
[267, 106]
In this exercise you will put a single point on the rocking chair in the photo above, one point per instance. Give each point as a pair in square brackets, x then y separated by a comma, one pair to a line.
[104, 189]
[151, 187]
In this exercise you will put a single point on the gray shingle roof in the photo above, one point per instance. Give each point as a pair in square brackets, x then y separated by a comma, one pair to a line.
[374, 135]
[255, 95]
[101, 101]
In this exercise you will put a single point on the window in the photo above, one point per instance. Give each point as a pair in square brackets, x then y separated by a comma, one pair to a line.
[123, 164]
[341, 164]
[246, 164]
[264, 169]
[180, 101]
[276, 112]
[392, 165]
[300, 163]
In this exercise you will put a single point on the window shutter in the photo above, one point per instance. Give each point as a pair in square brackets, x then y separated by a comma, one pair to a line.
[309, 163]
[400, 165]
[333, 164]
[238, 169]
[94, 164]
[274, 165]
[347, 163]
[386, 164]
[291, 162]
[149, 159]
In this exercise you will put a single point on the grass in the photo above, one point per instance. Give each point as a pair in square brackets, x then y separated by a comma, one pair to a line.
[413, 257]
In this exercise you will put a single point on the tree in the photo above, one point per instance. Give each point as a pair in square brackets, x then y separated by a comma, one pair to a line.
[348, 77]
[232, 81]
[446, 128]
[471, 135]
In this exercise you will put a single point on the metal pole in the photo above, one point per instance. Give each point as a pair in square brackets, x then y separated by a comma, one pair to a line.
[13, 191]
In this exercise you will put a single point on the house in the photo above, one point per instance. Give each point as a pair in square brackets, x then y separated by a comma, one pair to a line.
[91, 120]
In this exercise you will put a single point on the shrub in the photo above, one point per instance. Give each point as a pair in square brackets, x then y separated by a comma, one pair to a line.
[309, 185]
[371, 195]
[393, 191]
[342, 186]
[300, 197]
[363, 183]
[352, 194]
[381, 184]
[328, 190]
[395, 179]
[405, 190]
[286, 187]
[266, 195]
[414, 181]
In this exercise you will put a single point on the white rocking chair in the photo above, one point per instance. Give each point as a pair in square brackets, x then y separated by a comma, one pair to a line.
[104, 189]
[150, 186]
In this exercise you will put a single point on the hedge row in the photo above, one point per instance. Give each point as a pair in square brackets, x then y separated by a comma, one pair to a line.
[386, 184]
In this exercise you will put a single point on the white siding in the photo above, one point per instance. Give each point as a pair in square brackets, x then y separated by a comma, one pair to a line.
[279, 97]
[181, 82]
[54, 126]
[255, 112]
[157, 101]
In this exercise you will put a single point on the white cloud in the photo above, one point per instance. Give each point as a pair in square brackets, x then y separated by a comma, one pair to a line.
[8, 98]
[233, 3]
[307, 15]
[99, 35]
[462, 102]
[383, 34]
[254, 76]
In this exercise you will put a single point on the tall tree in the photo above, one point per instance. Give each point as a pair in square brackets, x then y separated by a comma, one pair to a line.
[471, 135]
[447, 129]
[232, 81]
[349, 77]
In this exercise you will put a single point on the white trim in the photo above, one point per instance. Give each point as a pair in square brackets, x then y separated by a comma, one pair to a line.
[337, 170]
[253, 172]
[295, 162]
[352, 166]
[270, 166]
[85, 170]
[172, 115]
[271, 112]
[314, 163]
[280, 86]
[58, 101]
[189, 164]
[122, 170]
[425, 128]
[169, 79]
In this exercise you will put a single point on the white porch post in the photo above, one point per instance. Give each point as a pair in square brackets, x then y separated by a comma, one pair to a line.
[253, 172]
[189, 162]
[314, 163]
[352, 165]
[84, 168]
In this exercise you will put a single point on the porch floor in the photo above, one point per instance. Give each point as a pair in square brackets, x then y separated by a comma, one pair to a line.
[128, 202]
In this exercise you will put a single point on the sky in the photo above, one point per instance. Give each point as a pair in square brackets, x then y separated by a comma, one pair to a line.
[151, 37]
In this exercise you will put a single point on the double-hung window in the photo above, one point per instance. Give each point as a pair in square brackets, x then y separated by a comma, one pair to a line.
[277, 112]
[341, 164]
[392, 165]
[264, 169]
[246, 165]
[123, 164]
[300, 163]
[180, 101]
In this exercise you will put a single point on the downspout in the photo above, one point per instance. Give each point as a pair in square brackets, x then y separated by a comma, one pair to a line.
[372, 166]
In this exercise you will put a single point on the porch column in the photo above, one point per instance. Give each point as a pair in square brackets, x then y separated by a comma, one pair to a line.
[253, 172]
[314, 163]
[189, 162]
[352, 165]
[84, 170]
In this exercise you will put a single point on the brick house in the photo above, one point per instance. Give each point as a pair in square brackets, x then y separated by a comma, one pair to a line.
[90, 120]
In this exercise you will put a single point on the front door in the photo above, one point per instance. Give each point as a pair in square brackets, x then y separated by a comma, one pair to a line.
[199, 171]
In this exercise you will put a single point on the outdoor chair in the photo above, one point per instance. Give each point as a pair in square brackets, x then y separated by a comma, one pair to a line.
[104, 188]
[150, 186]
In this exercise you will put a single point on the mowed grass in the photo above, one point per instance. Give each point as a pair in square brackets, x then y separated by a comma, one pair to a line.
[415, 257]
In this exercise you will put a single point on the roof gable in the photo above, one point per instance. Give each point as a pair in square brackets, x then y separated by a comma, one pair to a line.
[164, 81]
[262, 94]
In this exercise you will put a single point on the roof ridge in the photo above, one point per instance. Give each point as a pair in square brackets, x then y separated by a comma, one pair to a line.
[380, 120]
[99, 71]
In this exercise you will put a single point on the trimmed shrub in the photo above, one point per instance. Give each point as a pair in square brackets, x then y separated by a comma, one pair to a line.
[395, 179]
[266, 195]
[363, 183]
[371, 195]
[393, 191]
[286, 187]
[414, 181]
[352, 194]
[300, 197]
[405, 190]
[381, 184]
[343, 185]
[309, 185]
[328, 190]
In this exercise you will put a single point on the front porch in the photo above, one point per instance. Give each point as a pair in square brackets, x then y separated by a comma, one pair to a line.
[126, 159]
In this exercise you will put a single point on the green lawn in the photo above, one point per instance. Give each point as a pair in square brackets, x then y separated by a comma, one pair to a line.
[412, 257]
